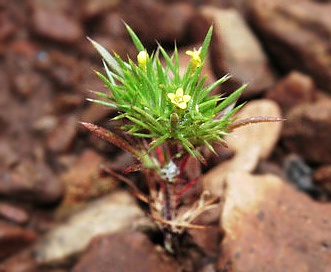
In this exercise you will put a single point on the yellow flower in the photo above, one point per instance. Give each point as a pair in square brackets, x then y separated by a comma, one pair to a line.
[142, 58]
[195, 57]
[179, 98]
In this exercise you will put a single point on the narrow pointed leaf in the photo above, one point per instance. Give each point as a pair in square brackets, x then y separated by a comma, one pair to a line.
[254, 120]
[111, 61]
[112, 138]
[135, 39]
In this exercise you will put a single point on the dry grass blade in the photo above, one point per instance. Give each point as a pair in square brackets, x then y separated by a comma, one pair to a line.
[177, 224]
[127, 181]
[112, 138]
[254, 120]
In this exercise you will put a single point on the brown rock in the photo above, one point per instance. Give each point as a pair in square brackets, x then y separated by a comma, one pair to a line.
[250, 143]
[45, 124]
[112, 25]
[8, 156]
[250, 135]
[95, 112]
[269, 226]
[124, 251]
[31, 181]
[170, 22]
[296, 88]
[236, 51]
[208, 239]
[84, 181]
[307, 131]
[61, 138]
[304, 45]
[62, 68]
[21, 262]
[7, 26]
[199, 26]
[50, 20]
[65, 102]
[20, 66]
[92, 8]
[13, 213]
[19, 114]
[322, 178]
[13, 238]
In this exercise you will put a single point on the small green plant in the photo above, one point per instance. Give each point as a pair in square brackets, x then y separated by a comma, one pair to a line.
[167, 117]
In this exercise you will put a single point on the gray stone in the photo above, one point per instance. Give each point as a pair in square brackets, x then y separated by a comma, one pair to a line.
[115, 212]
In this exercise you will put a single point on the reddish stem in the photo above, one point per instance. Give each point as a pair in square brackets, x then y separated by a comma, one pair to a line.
[187, 187]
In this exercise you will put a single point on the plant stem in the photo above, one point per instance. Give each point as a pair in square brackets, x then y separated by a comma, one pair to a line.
[170, 241]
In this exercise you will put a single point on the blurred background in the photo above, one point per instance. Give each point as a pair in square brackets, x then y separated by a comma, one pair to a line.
[49, 164]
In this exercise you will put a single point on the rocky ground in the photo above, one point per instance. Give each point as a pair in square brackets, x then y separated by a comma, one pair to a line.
[59, 213]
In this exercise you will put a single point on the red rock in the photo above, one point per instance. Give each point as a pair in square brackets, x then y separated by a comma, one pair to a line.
[13, 213]
[61, 138]
[306, 23]
[322, 178]
[122, 161]
[170, 22]
[20, 64]
[25, 84]
[92, 8]
[7, 26]
[94, 113]
[238, 4]
[112, 25]
[50, 21]
[270, 226]
[198, 27]
[45, 124]
[235, 50]
[62, 68]
[21, 262]
[307, 131]
[124, 251]
[208, 239]
[8, 156]
[13, 239]
[31, 181]
[67, 102]
[296, 88]
[84, 181]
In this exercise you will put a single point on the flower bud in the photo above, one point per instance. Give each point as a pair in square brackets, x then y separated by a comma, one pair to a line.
[142, 58]
[174, 120]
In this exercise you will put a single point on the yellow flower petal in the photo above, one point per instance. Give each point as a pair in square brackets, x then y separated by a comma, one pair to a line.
[195, 57]
[189, 52]
[171, 96]
[180, 92]
[186, 98]
[182, 105]
[179, 99]
[142, 58]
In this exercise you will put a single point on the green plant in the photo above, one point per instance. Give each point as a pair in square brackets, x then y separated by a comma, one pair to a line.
[166, 118]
